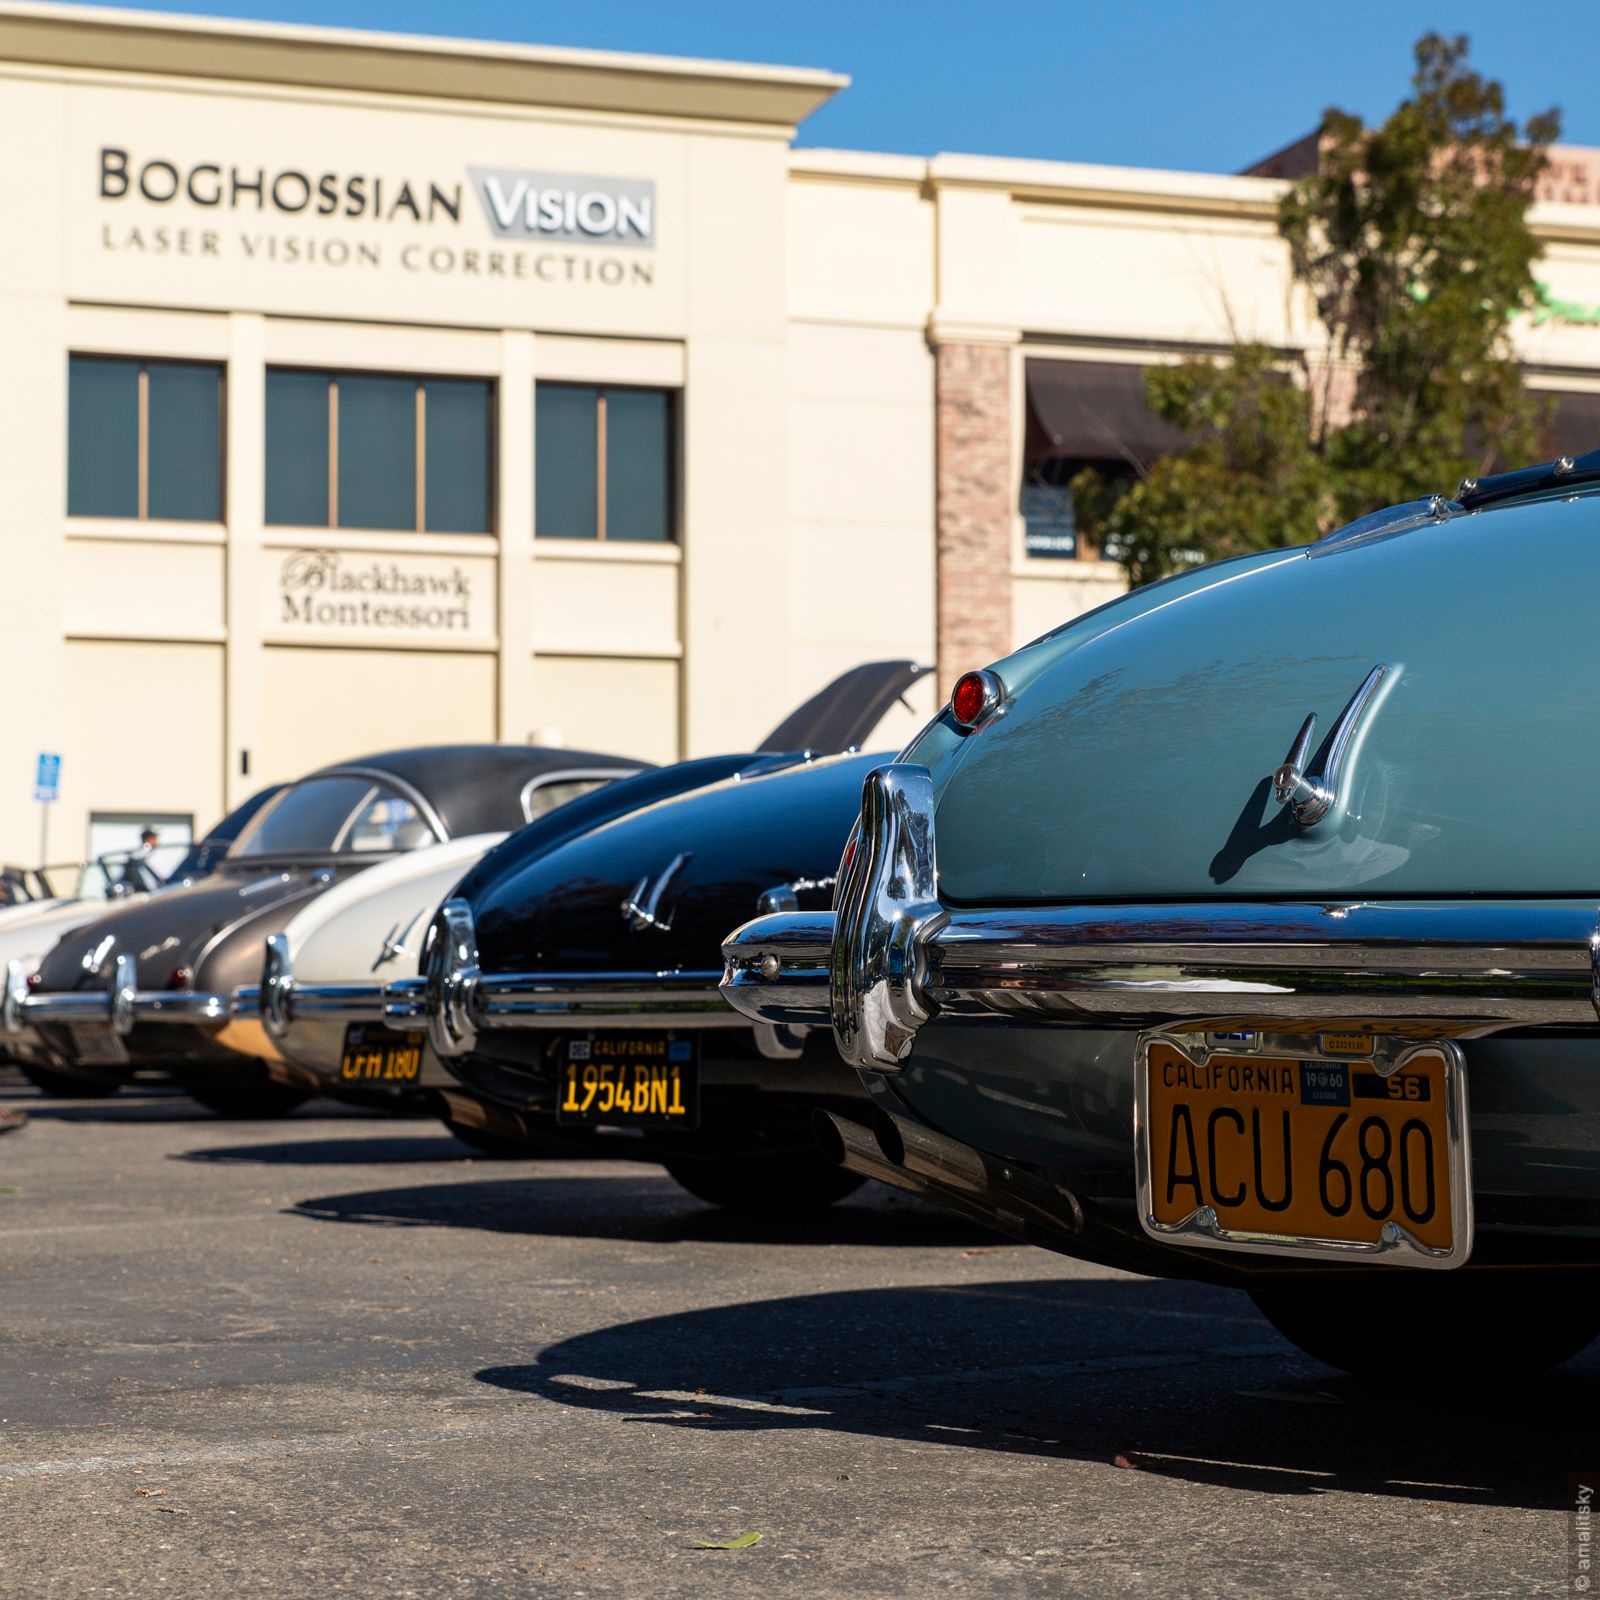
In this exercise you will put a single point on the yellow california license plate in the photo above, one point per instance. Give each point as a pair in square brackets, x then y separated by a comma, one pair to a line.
[376, 1054]
[629, 1080]
[1302, 1146]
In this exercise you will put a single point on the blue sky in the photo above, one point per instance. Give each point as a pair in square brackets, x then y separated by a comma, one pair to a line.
[1205, 85]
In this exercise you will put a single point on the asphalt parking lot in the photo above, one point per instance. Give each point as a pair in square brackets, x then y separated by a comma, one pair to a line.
[337, 1355]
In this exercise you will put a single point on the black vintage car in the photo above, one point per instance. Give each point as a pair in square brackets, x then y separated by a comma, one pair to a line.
[569, 996]
[150, 984]
[572, 991]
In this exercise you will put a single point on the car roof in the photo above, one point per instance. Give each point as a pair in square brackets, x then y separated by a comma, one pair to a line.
[478, 788]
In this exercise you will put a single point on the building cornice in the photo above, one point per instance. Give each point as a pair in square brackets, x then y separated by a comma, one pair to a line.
[859, 166]
[100, 39]
[1135, 188]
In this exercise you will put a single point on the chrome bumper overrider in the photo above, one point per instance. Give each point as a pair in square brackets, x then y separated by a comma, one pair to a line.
[117, 1004]
[453, 999]
[891, 955]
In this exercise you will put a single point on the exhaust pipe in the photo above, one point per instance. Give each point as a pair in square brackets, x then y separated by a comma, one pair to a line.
[918, 1161]
[849, 1145]
[948, 1164]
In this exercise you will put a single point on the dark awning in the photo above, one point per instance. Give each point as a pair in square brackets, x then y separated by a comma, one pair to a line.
[1094, 411]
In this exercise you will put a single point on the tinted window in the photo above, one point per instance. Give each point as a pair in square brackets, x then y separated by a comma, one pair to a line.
[638, 464]
[297, 449]
[566, 468]
[456, 441]
[144, 439]
[102, 437]
[309, 819]
[377, 452]
[185, 443]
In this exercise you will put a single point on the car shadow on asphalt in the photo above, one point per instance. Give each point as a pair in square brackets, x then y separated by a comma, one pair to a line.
[1182, 1380]
[378, 1150]
[643, 1206]
[155, 1104]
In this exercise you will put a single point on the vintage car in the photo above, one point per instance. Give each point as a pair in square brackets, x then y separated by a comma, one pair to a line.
[570, 999]
[30, 928]
[1246, 929]
[150, 983]
[320, 1002]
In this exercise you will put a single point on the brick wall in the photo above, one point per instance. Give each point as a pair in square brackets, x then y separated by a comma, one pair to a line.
[976, 499]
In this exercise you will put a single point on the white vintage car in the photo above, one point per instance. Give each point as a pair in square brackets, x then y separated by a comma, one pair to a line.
[316, 1021]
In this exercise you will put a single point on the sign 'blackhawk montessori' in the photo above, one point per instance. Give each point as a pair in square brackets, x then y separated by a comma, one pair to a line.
[333, 591]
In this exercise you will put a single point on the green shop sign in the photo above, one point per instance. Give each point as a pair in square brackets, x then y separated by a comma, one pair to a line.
[1546, 308]
[1573, 313]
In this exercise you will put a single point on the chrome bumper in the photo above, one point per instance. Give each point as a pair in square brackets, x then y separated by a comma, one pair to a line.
[277, 1001]
[891, 956]
[453, 1000]
[116, 1006]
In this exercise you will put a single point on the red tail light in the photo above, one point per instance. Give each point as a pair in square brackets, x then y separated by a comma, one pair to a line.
[975, 698]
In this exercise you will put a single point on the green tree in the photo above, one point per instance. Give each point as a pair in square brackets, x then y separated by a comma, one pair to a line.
[1412, 242]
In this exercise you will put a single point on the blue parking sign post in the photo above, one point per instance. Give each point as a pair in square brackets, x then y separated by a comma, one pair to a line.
[46, 790]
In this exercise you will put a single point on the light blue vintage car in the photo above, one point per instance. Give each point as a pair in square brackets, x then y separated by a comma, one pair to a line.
[1246, 929]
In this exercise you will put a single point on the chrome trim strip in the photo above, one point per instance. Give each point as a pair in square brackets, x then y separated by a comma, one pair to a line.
[895, 955]
[336, 1002]
[602, 999]
[1203, 1229]
[280, 1001]
[120, 1010]
[1476, 966]
[405, 1002]
[117, 1006]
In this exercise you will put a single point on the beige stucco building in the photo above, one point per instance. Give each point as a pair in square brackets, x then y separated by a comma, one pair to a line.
[366, 391]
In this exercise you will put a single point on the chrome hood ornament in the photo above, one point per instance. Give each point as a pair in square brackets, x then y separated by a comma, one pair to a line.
[1312, 795]
[642, 908]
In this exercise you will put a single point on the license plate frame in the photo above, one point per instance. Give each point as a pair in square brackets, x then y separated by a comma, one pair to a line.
[1349, 1057]
[668, 1058]
[372, 1055]
[98, 1047]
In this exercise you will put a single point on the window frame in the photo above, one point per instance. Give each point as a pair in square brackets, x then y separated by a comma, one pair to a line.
[142, 365]
[376, 779]
[419, 440]
[674, 398]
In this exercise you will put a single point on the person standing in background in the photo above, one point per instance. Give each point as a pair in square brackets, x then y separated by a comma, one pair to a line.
[137, 873]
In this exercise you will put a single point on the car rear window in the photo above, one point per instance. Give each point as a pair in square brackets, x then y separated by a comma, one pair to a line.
[336, 815]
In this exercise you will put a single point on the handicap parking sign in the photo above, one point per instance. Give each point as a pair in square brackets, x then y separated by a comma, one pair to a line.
[47, 778]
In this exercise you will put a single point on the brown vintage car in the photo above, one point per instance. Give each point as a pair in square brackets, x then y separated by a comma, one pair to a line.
[149, 985]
